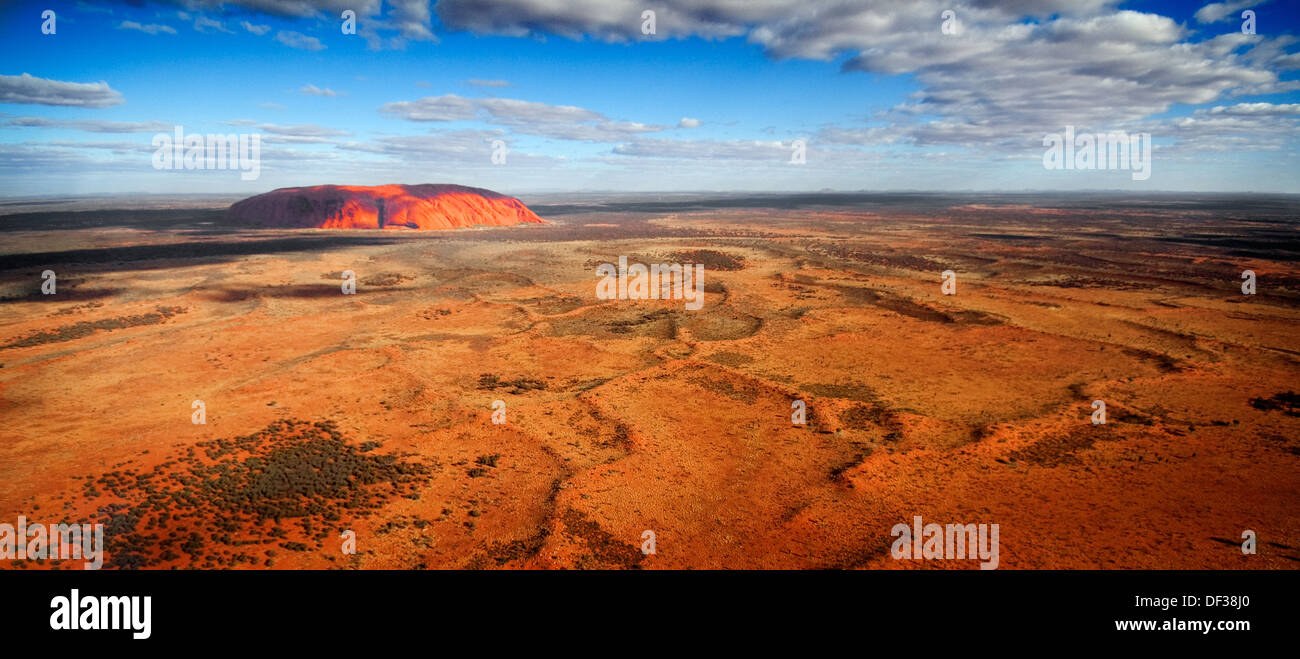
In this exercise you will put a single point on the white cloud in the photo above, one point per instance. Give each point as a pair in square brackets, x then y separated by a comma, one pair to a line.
[1259, 109]
[565, 122]
[259, 30]
[439, 108]
[298, 40]
[451, 107]
[687, 122]
[28, 89]
[707, 149]
[403, 19]
[871, 136]
[147, 29]
[1003, 80]
[1222, 11]
[203, 24]
[300, 134]
[602, 131]
[313, 90]
[92, 125]
[514, 111]
[469, 147]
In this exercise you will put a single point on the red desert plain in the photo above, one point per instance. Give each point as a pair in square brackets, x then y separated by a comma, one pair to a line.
[202, 382]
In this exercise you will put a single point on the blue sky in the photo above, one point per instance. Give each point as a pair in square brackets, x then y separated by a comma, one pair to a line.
[582, 99]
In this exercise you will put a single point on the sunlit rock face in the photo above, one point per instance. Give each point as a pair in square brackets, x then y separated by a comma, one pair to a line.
[428, 206]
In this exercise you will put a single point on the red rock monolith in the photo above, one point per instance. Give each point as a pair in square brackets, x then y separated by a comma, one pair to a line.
[394, 206]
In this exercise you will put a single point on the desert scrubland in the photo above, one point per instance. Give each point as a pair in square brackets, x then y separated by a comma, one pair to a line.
[372, 412]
